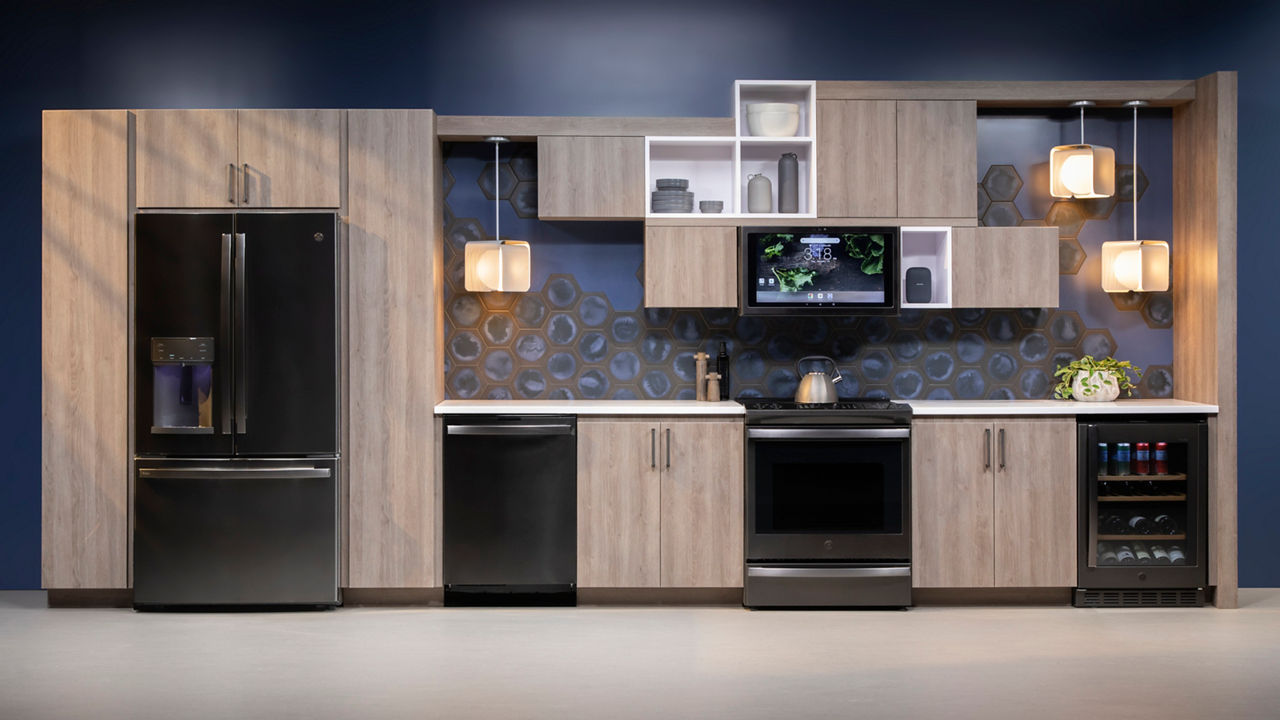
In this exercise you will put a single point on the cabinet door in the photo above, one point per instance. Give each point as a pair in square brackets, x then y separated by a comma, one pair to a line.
[1004, 267]
[702, 479]
[857, 158]
[619, 507]
[187, 159]
[597, 178]
[290, 158]
[690, 267]
[937, 158]
[394, 332]
[84, 321]
[1035, 503]
[951, 503]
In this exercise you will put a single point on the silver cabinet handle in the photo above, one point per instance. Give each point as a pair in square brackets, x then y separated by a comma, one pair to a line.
[986, 444]
[668, 448]
[834, 572]
[827, 434]
[245, 182]
[204, 473]
[653, 448]
[224, 329]
[1001, 448]
[231, 183]
[241, 351]
[549, 429]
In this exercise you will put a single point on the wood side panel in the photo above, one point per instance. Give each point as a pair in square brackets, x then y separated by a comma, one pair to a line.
[187, 159]
[525, 129]
[394, 345]
[690, 267]
[952, 541]
[1035, 502]
[619, 504]
[1034, 94]
[84, 349]
[937, 158]
[702, 496]
[857, 158]
[1004, 267]
[293, 158]
[591, 178]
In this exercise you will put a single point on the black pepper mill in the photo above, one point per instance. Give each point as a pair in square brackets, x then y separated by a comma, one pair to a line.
[722, 367]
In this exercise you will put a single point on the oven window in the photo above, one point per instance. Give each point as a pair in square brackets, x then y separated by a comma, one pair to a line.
[828, 487]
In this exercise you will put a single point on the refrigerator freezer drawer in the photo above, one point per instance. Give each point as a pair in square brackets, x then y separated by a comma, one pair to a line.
[236, 533]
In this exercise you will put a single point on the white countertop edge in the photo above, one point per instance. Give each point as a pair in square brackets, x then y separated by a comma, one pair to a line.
[921, 408]
[588, 407]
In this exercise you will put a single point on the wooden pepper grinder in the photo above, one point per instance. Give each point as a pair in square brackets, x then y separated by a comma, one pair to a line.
[713, 386]
[700, 375]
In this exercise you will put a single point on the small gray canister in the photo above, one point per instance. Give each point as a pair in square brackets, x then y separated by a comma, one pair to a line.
[759, 194]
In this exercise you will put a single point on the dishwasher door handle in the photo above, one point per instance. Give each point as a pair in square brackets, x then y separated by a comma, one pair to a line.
[541, 429]
[834, 572]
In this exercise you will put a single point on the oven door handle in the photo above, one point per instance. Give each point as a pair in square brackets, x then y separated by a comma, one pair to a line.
[830, 572]
[827, 433]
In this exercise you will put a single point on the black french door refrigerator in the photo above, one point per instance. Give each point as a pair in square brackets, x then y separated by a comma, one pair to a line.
[236, 409]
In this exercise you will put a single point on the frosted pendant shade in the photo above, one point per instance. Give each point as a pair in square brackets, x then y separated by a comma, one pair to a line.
[1135, 265]
[1082, 171]
[497, 266]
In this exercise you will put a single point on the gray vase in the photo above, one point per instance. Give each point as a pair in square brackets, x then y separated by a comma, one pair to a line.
[788, 183]
[759, 194]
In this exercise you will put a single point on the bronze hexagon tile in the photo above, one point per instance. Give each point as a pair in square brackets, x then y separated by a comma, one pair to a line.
[1002, 214]
[1127, 301]
[1002, 183]
[1157, 310]
[1124, 182]
[1097, 208]
[1098, 343]
[1066, 216]
[524, 162]
[984, 200]
[1071, 256]
[506, 181]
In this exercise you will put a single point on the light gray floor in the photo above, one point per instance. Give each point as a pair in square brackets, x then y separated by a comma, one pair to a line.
[641, 662]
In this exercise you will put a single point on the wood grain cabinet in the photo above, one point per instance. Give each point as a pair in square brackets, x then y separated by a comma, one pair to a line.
[660, 503]
[393, 348]
[857, 158]
[937, 158]
[85, 350]
[239, 158]
[690, 267]
[1004, 267]
[591, 178]
[994, 502]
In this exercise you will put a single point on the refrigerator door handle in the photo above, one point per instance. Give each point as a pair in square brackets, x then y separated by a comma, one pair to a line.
[204, 473]
[241, 352]
[224, 334]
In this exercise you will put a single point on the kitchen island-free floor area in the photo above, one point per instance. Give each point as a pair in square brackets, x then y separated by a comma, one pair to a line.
[641, 662]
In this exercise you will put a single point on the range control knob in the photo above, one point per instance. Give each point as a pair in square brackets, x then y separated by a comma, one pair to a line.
[827, 544]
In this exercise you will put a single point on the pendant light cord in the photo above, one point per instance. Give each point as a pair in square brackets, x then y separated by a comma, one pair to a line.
[1082, 124]
[1135, 172]
[497, 215]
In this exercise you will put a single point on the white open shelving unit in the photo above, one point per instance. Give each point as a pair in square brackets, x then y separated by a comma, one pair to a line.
[717, 167]
[928, 247]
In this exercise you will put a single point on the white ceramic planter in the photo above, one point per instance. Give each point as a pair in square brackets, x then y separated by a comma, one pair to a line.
[1108, 388]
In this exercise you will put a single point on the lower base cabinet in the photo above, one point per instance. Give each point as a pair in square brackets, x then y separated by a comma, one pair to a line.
[993, 502]
[660, 503]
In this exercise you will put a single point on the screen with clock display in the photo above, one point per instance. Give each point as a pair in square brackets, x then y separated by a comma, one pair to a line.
[819, 267]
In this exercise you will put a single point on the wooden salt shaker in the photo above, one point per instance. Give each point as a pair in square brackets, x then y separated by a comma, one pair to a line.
[713, 386]
[700, 375]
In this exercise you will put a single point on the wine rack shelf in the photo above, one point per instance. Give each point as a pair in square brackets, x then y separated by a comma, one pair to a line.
[1144, 538]
[1174, 477]
[1141, 498]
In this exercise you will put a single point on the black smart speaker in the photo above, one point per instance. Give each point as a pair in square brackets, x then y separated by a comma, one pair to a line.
[919, 285]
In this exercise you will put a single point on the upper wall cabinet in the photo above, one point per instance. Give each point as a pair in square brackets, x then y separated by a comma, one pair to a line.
[690, 267]
[1004, 267]
[591, 178]
[239, 158]
[937, 158]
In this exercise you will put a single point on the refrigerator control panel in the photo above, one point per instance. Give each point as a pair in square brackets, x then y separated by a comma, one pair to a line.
[182, 350]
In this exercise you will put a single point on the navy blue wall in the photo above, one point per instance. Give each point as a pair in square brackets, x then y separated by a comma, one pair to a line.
[561, 57]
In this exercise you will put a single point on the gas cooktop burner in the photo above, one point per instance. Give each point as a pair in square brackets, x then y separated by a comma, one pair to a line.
[853, 404]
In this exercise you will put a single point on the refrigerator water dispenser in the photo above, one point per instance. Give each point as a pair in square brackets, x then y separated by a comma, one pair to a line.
[182, 397]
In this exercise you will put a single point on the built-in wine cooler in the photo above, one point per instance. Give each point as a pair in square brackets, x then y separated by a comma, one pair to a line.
[1142, 514]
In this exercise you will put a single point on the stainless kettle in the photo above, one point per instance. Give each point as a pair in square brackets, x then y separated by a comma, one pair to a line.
[817, 387]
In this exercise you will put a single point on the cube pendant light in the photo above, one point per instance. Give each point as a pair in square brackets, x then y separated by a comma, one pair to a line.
[1082, 171]
[496, 265]
[1135, 265]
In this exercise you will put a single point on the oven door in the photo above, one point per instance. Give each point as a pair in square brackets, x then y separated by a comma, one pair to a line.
[828, 494]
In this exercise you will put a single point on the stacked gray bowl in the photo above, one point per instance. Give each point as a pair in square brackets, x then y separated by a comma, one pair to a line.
[672, 196]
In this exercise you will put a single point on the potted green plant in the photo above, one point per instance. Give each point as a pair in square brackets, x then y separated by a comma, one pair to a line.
[1094, 380]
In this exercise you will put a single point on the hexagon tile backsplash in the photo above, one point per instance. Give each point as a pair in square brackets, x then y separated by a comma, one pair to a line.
[582, 331]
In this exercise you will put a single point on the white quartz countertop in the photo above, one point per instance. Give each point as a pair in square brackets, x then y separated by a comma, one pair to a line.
[588, 407]
[927, 408]
[921, 408]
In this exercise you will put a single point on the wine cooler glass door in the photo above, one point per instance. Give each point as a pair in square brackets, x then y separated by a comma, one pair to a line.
[1143, 486]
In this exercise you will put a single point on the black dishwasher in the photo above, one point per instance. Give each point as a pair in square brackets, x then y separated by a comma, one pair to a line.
[510, 514]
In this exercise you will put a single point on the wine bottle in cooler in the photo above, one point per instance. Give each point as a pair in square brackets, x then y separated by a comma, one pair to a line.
[1141, 552]
[1165, 525]
[1159, 555]
[1140, 525]
[1176, 556]
[1107, 554]
[1124, 554]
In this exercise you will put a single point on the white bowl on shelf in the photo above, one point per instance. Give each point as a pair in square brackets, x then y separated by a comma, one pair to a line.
[773, 119]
